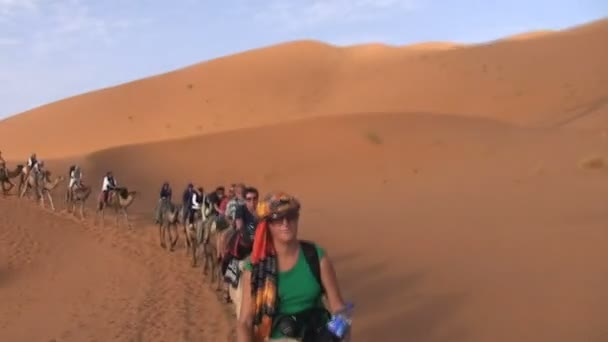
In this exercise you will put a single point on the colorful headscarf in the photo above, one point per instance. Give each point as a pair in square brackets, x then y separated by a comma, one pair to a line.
[264, 273]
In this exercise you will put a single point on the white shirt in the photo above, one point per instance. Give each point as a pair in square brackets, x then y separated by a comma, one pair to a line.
[106, 183]
[29, 162]
[195, 204]
[78, 173]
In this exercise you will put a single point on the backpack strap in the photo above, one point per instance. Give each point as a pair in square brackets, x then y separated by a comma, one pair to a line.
[312, 258]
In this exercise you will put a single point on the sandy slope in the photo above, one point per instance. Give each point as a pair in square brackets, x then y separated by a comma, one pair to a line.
[61, 281]
[530, 81]
[478, 224]
[457, 229]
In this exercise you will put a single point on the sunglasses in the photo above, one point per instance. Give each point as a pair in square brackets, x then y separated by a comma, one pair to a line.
[251, 198]
[289, 217]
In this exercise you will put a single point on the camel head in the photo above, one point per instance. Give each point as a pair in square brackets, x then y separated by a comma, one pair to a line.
[124, 193]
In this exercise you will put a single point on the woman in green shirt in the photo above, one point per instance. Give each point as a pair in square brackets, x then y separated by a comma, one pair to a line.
[279, 282]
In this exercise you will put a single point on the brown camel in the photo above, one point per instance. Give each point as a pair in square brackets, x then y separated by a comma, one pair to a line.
[119, 199]
[6, 176]
[192, 236]
[189, 232]
[78, 195]
[168, 218]
[212, 248]
[42, 185]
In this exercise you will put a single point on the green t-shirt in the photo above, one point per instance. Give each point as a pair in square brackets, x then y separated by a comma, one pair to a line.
[298, 288]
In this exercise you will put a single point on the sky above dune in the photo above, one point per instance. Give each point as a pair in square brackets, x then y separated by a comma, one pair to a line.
[54, 49]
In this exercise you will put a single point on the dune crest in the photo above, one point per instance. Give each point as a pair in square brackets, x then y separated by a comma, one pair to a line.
[307, 79]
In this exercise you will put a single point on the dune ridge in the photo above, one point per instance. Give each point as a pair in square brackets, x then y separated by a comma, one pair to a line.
[507, 80]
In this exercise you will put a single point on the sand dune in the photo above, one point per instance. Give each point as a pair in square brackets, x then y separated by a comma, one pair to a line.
[453, 189]
[488, 228]
[525, 82]
[61, 281]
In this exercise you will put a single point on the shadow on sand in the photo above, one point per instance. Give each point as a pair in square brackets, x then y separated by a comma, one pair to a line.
[391, 305]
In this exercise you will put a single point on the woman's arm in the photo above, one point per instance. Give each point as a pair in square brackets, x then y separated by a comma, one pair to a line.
[330, 282]
[244, 325]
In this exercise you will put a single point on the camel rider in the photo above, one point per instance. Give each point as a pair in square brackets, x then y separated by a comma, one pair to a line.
[187, 200]
[109, 184]
[38, 167]
[75, 177]
[32, 161]
[37, 170]
[3, 170]
[166, 192]
[163, 201]
[196, 204]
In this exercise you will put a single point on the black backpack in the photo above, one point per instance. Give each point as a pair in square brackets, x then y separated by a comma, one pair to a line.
[312, 258]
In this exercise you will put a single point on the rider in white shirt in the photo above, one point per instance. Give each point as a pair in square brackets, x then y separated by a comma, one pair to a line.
[75, 177]
[109, 183]
[197, 202]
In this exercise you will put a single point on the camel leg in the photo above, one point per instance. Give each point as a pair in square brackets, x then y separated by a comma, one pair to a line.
[99, 214]
[194, 249]
[218, 272]
[126, 216]
[48, 194]
[172, 229]
[103, 217]
[81, 210]
[187, 238]
[176, 232]
[23, 190]
[193, 246]
[161, 235]
[41, 196]
[204, 248]
[102, 214]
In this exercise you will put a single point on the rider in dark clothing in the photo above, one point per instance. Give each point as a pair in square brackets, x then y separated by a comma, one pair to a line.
[165, 191]
[165, 199]
[187, 200]
[214, 199]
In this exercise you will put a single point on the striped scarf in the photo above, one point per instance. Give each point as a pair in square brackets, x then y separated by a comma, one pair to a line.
[263, 282]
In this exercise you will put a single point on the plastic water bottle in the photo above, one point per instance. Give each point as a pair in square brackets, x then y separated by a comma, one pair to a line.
[341, 321]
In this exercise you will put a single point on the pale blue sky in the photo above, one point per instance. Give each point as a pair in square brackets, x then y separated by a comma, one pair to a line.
[53, 49]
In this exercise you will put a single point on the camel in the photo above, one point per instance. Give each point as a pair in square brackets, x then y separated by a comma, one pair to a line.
[119, 199]
[42, 184]
[212, 249]
[169, 213]
[194, 233]
[6, 178]
[78, 195]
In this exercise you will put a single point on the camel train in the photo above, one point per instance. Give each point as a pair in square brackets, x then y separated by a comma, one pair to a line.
[205, 236]
[40, 186]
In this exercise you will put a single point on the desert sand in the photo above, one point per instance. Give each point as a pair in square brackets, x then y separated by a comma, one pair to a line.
[460, 190]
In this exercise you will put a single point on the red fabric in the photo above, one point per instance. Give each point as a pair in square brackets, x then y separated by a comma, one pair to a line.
[262, 243]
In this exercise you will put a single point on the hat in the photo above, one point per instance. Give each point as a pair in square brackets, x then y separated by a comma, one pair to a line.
[276, 205]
